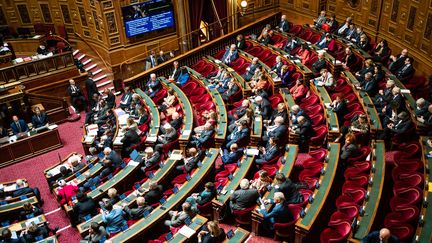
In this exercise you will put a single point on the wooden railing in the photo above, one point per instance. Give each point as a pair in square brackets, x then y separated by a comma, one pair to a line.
[55, 107]
[211, 48]
[28, 70]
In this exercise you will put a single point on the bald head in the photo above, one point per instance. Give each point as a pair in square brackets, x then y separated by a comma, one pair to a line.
[384, 234]
[140, 201]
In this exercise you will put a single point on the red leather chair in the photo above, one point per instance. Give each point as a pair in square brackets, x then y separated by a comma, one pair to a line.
[238, 62]
[286, 230]
[206, 209]
[315, 38]
[311, 162]
[296, 29]
[407, 180]
[158, 97]
[220, 54]
[271, 170]
[350, 116]
[311, 172]
[306, 194]
[317, 119]
[196, 92]
[363, 153]
[310, 100]
[198, 65]
[356, 181]
[318, 154]
[205, 106]
[337, 232]
[345, 213]
[275, 100]
[406, 197]
[189, 87]
[306, 35]
[404, 232]
[406, 168]
[402, 215]
[200, 99]
[320, 136]
[170, 146]
[243, 217]
[357, 194]
[358, 168]
[314, 109]
[209, 68]
[256, 50]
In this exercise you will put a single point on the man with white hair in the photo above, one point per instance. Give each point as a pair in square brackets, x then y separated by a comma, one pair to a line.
[169, 135]
[230, 55]
[279, 212]
[190, 162]
[250, 71]
[76, 95]
[244, 197]
[278, 65]
[153, 86]
[112, 155]
[284, 24]
[179, 218]
[204, 137]
[397, 62]
[421, 107]
[384, 96]
[23, 188]
[137, 212]
[176, 120]
[75, 162]
[326, 79]
[113, 197]
[151, 157]
[239, 111]
[318, 22]
[278, 131]
[264, 108]
[296, 112]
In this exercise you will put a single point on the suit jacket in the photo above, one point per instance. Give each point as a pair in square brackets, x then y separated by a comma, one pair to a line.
[237, 135]
[153, 196]
[305, 130]
[91, 87]
[249, 73]
[348, 151]
[22, 191]
[280, 213]
[242, 199]
[279, 132]
[318, 65]
[85, 207]
[176, 123]
[154, 85]
[341, 110]
[192, 163]
[398, 64]
[110, 100]
[402, 127]
[265, 40]
[175, 74]
[290, 45]
[240, 44]
[350, 60]
[271, 153]
[161, 59]
[265, 109]
[130, 138]
[78, 167]
[74, 93]
[179, 219]
[294, 117]
[115, 158]
[39, 121]
[370, 87]
[290, 191]
[137, 212]
[284, 26]
[152, 60]
[322, 43]
[229, 56]
[239, 112]
[375, 238]
[364, 45]
[405, 71]
[231, 157]
[153, 159]
[277, 67]
[205, 136]
[285, 77]
[276, 113]
[230, 92]
[22, 124]
[126, 100]
[170, 137]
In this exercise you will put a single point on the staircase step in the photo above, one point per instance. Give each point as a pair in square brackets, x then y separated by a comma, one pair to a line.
[99, 77]
[75, 52]
[97, 71]
[101, 84]
[81, 56]
[86, 61]
[90, 67]
[110, 88]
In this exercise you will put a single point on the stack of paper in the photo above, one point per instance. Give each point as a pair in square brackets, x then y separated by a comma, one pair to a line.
[187, 232]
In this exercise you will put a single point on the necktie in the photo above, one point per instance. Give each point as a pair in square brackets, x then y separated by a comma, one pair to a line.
[18, 126]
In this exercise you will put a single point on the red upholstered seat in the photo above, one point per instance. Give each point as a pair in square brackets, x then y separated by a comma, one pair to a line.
[311, 172]
[363, 153]
[404, 232]
[295, 29]
[320, 136]
[357, 194]
[337, 232]
[286, 230]
[345, 213]
[402, 215]
[318, 154]
[406, 197]
[243, 217]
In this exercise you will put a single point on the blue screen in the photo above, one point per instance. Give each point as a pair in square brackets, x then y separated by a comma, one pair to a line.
[147, 17]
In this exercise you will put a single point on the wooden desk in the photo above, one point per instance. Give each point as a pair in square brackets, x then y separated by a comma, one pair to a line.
[22, 225]
[29, 147]
[240, 235]
[187, 111]
[15, 206]
[304, 225]
[6, 60]
[257, 127]
[143, 225]
[370, 206]
[159, 177]
[25, 46]
[286, 168]
[197, 222]
[240, 173]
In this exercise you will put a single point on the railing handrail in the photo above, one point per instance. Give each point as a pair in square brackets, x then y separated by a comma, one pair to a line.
[94, 50]
[35, 61]
[45, 96]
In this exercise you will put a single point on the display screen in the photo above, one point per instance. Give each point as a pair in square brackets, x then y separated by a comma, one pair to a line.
[148, 16]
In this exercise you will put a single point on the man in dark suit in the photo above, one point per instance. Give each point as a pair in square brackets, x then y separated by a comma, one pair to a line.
[384, 96]
[244, 197]
[239, 134]
[250, 71]
[110, 98]
[349, 59]
[204, 137]
[39, 119]
[265, 38]
[296, 112]
[169, 134]
[305, 132]
[268, 153]
[406, 70]
[232, 156]
[319, 64]
[279, 213]
[91, 87]
[130, 139]
[349, 149]
[283, 24]
[380, 237]
[339, 106]
[151, 61]
[137, 212]
[426, 120]
[190, 162]
[153, 86]
[397, 62]
[240, 42]
[151, 157]
[239, 111]
[112, 155]
[175, 73]
[161, 58]
[126, 99]
[74, 92]
[278, 65]
[263, 107]
[402, 125]
[18, 125]
[230, 55]
[291, 44]
[153, 194]
[176, 121]
[422, 107]
[23, 189]
[289, 189]
[369, 85]
[278, 131]
[232, 90]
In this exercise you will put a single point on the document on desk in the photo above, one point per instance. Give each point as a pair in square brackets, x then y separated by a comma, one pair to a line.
[252, 151]
[151, 139]
[10, 188]
[176, 156]
[186, 231]
[133, 163]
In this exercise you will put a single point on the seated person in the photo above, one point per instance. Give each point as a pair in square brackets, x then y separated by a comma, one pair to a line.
[319, 64]
[364, 43]
[169, 135]
[114, 218]
[326, 79]
[250, 70]
[137, 212]
[6, 236]
[42, 49]
[261, 182]
[222, 85]
[283, 24]
[130, 139]
[426, 120]
[65, 192]
[23, 189]
[110, 98]
[289, 189]
[210, 119]
[368, 68]
[268, 153]
[264, 38]
[153, 194]
[284, 75]
[204, 137]
[240, 42]
[39, 119]
[230, 55]
[267, 29]
[339, 106]
[151, 157]
[421, 107]
[233, 88]
[142, 116]
[239, 111]
[407, 70]
[349, 59]
[324, 41]
[202, 198]
[304, 53]
[278, 65]
[29, 211]
[318, 22]
[281, 111]
[175, 73]
[369, 85]
[18, 125]
[112, 155]
[113, 198]
[263, 107]
[3, 132]
[299, 90]
[350, 33]
[355, 38]
[232, 156]
[97, 233]
[131, 125]
[349, 149]
[261, 84]
[381, 50]
[217, 76]
[344, 27]
[126, 99]
[176, 121]
[190, 162]
[75, 162]
[397, 62]
[296, 112]
[168, 101]
[178, 218]
[36, 232]
[279, 213]
[277, 131]
[64, 173]
[76, 95]
[383, 235]
[378, 73]
[402, 125]
[84, 207]
[384, 96]
[244, 197]
[291, 44]
[239, 135]
[211, 233]
[153, 86]
[304, 130]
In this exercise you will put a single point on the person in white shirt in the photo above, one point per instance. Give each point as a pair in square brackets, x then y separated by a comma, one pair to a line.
[326, 79]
